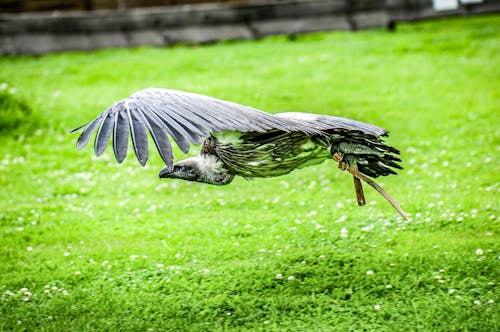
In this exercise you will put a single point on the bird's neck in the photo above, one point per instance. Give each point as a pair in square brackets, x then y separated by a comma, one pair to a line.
[212, 170]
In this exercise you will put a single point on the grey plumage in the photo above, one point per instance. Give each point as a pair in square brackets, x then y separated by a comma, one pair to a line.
[189, 118]
[237, 139]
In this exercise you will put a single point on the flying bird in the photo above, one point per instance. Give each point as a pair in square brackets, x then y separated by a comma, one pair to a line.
[239, 140]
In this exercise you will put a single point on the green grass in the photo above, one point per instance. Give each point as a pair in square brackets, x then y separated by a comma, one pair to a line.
[101, 246]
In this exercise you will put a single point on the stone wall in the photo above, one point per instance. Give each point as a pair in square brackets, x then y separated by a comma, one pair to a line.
[39, 33]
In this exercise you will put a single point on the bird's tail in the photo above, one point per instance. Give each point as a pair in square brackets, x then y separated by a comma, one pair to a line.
[369, 154]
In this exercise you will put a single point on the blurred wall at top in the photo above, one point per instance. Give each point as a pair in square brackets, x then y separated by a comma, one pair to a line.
[87, 25]
[18, 6]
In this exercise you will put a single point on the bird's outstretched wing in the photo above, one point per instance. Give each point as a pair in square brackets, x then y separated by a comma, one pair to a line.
[186, 117]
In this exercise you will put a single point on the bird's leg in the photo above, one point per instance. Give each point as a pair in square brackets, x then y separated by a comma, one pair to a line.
[358, 187]
[337, 156]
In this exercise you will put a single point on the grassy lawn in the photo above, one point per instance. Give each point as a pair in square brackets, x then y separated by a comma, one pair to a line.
[87, 244]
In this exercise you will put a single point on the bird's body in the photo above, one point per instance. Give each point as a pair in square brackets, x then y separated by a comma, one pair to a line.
[239, 140]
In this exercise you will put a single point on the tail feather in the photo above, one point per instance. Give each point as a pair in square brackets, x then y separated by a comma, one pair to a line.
[368, 154]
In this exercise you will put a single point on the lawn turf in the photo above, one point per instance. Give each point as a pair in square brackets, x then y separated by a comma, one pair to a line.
[87, 244]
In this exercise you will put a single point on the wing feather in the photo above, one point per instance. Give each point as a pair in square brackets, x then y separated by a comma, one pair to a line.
[159, 136]
[85, 136]
[120, 136]
[180, 136]
[139, 137]
[103, 135]
[328, 123]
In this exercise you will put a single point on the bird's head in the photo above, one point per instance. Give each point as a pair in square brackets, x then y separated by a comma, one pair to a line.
[188, 169]
[198, 169]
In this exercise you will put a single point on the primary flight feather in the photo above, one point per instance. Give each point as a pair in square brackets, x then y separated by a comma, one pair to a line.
[238, 140]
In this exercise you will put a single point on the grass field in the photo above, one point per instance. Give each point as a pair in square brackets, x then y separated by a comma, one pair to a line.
[87, 244]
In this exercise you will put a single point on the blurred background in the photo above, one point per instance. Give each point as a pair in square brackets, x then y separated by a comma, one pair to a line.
[45, 26]
[48, 5]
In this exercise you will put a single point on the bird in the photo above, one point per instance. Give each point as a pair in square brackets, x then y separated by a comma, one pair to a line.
[238, 140]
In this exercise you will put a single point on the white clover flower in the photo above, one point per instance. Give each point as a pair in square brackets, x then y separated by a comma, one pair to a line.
[389, 251]
[67, 254]
[29, 248]
[291, 278]
[368, 228]
[479, 252]
[491, 301]
[77, 273]
[388, 286]
[279, 276]
[377, 307]
[134, 256]
[477, 302]
[344, 233]
[369, 273]
[312, 213]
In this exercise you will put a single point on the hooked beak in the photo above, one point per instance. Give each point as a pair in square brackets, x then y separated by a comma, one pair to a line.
[166, 172]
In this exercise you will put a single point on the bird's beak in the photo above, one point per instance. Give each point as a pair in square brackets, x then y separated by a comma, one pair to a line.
[166, 172]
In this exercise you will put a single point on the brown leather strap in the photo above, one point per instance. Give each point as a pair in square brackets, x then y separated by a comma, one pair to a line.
[372, 183]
